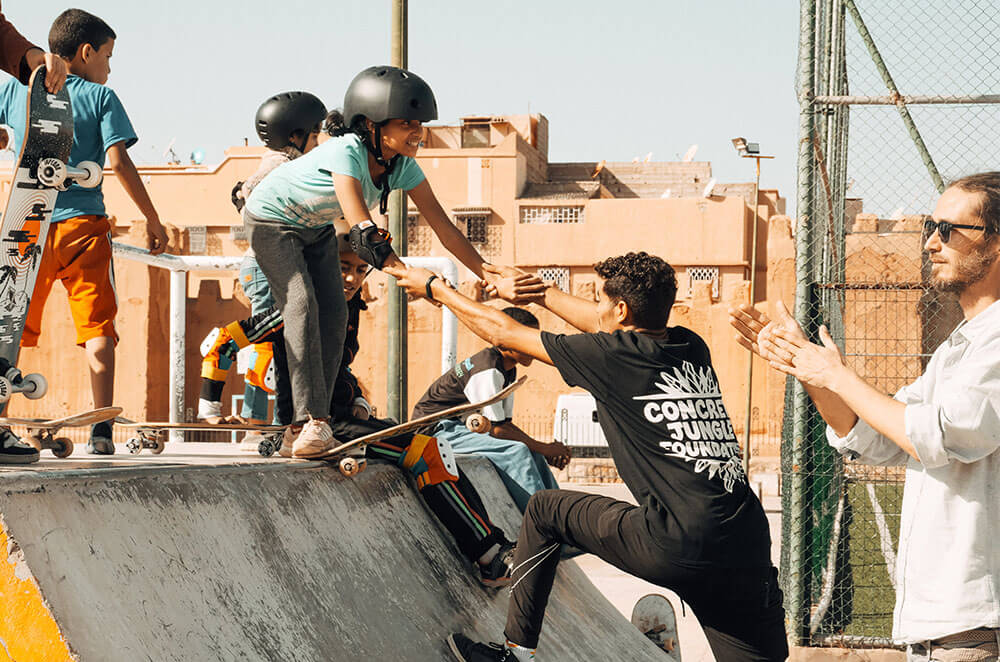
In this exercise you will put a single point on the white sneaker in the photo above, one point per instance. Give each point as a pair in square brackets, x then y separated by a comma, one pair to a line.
[315, 439]
[288, 438]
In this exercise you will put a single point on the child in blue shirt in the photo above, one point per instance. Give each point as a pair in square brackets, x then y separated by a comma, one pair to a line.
[77, 250]
[290, 218]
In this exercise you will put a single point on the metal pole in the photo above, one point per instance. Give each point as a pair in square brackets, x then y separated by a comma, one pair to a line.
[793, 519]
[904, 113]
[178, 331]
[753, 299]
[397, 354]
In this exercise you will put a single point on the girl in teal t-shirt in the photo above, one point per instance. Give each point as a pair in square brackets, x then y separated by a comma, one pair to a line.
[290, 219]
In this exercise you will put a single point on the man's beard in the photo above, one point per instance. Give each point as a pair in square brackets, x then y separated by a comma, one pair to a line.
[969, 270]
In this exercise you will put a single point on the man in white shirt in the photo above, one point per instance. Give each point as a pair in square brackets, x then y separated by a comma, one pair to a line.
[945, 427]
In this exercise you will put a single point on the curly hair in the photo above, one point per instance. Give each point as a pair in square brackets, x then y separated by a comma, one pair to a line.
[643, 281]
[74, 28]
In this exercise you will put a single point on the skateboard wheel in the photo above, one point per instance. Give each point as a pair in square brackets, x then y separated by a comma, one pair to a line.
[52, 173]
[133, 445]
[352, 466]
[34, 441]
[62, 447]
[477, 423]
[34, 386]
[157, 446]
[5, 389]
[92, 174]
[266, 448]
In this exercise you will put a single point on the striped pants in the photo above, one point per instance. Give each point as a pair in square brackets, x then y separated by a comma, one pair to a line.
[455, 503]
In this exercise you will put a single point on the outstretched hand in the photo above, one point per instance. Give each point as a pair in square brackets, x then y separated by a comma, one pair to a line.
[414, 281]
[756, 331]
[55, 68]
[814, 365]
[512, 284]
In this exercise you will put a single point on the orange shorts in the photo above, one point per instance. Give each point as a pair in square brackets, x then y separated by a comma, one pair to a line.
[78, 253]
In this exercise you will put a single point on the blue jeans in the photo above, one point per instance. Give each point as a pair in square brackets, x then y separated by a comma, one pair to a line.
[257, 289]
[522, 471]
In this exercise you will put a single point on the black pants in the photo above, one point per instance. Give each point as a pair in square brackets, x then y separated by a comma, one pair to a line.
[739, 609]
[456, 503]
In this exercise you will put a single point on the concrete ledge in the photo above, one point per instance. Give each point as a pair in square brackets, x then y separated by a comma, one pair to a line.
[263, 560]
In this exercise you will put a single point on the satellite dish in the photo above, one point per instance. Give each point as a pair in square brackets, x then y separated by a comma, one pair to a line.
[897, 215]
[666, 194]
[707, 193]
[689, 155]
[649, 157]
[198, 156]
[169, 155]
[635, 160]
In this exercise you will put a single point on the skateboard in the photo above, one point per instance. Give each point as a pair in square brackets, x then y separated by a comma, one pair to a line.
[40, 174]
[655, 618]
[41, 430]
[352, 465]
[152, 435]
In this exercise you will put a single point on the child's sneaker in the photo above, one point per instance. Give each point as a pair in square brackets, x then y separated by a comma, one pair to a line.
[100, 442]
[497, 572]
[15, 451]
[467, 650]
[288, 438]
[315, 439]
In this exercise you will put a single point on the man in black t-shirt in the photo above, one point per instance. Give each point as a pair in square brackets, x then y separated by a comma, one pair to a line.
[522, 462]
[698, 529]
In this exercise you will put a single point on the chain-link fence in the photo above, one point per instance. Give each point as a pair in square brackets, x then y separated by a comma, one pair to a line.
[895, 99]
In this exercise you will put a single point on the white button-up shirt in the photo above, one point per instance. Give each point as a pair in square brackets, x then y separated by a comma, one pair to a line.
[948, 563]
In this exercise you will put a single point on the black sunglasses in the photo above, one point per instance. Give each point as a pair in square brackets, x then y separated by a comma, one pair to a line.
[944, 228]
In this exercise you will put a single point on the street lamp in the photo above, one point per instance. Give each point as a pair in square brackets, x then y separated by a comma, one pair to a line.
[748, 150]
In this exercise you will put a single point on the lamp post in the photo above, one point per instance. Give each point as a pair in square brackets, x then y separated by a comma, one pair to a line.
[397, 356]
[749, 150]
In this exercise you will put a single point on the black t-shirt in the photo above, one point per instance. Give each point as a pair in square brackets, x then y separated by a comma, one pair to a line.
[660, 407]
[477, 378]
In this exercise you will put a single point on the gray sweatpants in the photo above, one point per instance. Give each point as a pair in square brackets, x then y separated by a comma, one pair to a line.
[302, 266]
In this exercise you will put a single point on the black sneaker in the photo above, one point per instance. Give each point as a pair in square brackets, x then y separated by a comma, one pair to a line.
[15, 451]
[100, 442]
[497, 572]
[467, 650]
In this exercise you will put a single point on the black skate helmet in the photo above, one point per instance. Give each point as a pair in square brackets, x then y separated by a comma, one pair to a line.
[284, 114]
[386, 93]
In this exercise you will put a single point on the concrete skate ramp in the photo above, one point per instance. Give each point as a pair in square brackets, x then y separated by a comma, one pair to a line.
[261, 562]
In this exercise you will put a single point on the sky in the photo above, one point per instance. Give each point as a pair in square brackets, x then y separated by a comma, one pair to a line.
[616, 80]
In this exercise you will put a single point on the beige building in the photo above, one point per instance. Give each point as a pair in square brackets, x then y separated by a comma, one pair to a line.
[493, 175]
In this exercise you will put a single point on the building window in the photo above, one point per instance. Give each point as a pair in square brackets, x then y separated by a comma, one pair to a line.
[418, 237]
[475, 134]
[551, 214]
[476, 229]
[703, 275]
[558, 276]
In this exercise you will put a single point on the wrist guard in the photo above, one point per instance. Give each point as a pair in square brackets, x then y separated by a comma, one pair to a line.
[371, 243]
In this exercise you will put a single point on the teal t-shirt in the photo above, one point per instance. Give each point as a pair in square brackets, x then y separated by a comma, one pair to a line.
[301, 192]
[99, 121]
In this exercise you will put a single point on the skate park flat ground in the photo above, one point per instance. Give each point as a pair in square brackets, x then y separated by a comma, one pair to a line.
[209, 553]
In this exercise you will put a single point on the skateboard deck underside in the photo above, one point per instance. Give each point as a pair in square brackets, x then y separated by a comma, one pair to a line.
[419, 423]
[25, 224]
[76, 420]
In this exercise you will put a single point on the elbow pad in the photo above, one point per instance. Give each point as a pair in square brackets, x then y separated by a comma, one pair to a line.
[371, 243]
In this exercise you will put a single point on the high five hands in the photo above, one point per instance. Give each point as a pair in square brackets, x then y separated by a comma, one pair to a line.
[782, 343]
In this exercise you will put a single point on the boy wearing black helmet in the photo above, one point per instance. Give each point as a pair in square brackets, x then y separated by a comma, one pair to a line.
[289, 125]
[290, 217]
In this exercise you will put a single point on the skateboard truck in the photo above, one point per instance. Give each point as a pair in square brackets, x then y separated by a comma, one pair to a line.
[33, 385]
[42, 439]
[56, 174]
[151, 439]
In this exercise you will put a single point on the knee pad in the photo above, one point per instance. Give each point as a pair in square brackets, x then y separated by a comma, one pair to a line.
[430, 460]
[259, 366]
[219, 351]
